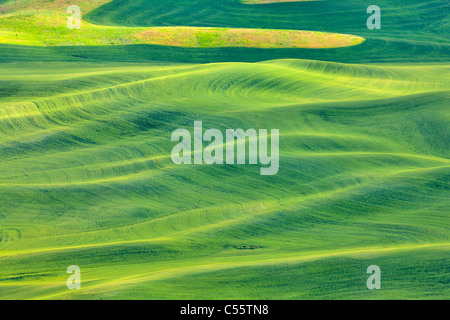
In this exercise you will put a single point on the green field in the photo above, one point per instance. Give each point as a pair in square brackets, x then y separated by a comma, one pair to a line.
[86, 176]
[44, 23]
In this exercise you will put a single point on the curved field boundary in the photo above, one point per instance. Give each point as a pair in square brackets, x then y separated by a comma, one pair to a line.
[43, 23]
[232, 264]
[270, 1]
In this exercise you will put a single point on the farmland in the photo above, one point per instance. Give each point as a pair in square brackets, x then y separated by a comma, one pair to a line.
[86, 176]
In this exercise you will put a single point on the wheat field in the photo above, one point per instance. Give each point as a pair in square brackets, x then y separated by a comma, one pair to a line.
[86, 176]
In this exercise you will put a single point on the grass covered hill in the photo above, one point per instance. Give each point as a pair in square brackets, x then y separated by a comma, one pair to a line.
[139, 31]
[86, 176]
[417, 30]
[44, 23]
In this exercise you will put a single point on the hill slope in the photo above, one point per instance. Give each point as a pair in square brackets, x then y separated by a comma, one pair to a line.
[86, 170]
[417, 32]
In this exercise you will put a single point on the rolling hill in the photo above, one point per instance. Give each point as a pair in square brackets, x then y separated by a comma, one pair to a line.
[86, 177]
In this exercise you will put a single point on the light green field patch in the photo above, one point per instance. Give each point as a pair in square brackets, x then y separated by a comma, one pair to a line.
[46, 29]
[257, 38]
[55, 6]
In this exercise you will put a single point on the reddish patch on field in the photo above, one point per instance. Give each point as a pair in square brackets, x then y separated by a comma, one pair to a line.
[271, 1]
[258, 38]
